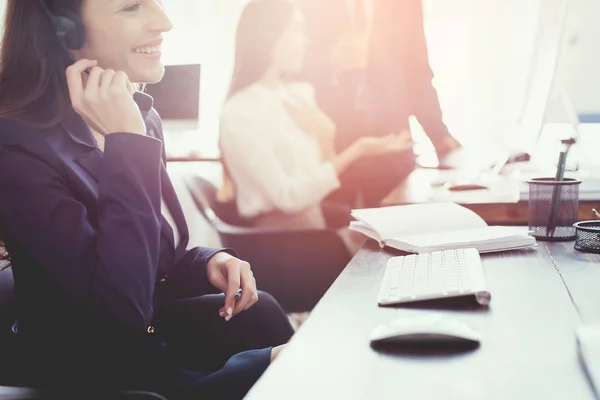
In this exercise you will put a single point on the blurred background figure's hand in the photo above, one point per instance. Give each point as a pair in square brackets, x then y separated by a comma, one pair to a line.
[393, 143]
[447, 145]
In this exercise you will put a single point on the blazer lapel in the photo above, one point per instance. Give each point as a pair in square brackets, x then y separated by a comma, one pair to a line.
[171, 201]
[167, 231]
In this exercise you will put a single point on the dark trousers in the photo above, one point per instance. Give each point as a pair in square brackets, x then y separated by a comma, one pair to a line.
[217, 358]
[206, 357]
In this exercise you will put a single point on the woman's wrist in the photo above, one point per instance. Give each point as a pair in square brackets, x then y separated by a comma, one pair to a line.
[357, 149]
[347, 157]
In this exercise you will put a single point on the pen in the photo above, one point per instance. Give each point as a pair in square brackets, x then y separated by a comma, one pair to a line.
[554, 203]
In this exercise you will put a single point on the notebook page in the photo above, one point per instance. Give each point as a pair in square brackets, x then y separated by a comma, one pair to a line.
[502, 236]
[365, 229]
[418, 218]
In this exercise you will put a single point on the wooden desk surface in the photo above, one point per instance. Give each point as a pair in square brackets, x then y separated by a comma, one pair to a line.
[492, 206]
[528, 351]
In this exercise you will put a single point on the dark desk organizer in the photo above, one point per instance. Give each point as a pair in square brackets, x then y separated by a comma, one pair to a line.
[588, 236]
[547, 195]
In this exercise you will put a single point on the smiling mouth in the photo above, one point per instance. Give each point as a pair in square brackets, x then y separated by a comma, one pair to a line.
[148, 50]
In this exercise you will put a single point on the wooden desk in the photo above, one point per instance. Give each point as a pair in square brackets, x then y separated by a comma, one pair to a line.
[528, 349]
[418, 189]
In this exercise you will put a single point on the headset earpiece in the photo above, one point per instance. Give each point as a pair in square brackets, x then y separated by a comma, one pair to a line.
[69, 29]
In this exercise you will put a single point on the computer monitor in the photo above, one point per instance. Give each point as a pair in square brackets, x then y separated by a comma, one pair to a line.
[177, 95]
[543, 75]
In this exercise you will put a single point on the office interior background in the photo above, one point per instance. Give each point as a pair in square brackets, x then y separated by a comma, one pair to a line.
[482, 54]
[505, 70]
[489, 58]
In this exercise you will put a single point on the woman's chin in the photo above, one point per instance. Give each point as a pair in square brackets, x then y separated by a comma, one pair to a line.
[147, 75]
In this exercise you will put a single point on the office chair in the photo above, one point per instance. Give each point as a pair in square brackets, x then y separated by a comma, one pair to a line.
[16, 393]
[294, 266]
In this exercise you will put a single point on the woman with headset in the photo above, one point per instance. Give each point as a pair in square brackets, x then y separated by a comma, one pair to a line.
[108, 297]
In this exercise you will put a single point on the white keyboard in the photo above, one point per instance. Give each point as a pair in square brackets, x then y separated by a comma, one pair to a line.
[435, 275]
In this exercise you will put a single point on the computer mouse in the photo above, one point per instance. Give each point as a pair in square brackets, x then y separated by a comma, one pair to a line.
[459, 187]
[424, 331]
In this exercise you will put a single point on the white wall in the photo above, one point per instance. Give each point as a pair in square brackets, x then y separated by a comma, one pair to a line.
[580, 59]
[480, 51]
[506, 50]
[213, 22]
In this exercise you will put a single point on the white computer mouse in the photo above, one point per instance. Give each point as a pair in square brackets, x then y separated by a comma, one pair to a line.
[424, 330]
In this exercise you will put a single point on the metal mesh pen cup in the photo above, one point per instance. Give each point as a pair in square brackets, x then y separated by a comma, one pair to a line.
[547, 195]
[588, 236]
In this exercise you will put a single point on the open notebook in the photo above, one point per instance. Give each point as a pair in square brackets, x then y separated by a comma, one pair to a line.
[421, 228]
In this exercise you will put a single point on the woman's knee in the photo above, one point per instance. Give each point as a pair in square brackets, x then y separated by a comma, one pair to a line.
[268, 304]
[268, 311]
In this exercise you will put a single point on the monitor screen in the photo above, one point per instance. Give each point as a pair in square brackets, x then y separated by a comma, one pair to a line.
[550, 37]
[177, 95]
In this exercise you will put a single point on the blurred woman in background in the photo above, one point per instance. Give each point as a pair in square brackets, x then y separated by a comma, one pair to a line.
[277, 145]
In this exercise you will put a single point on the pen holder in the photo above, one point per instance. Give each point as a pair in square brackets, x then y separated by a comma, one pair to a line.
[553, 208]
[588, 236]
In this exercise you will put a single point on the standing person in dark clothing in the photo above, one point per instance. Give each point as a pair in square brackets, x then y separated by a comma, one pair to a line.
[368, 62]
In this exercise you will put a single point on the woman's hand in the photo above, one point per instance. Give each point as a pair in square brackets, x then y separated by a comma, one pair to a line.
[229, 274]
[373, 146]
[104, 99]
[445, 146]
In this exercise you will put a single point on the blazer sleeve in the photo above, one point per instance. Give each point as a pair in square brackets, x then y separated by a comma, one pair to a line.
[250, 156]
[187, 277]
[110, 267]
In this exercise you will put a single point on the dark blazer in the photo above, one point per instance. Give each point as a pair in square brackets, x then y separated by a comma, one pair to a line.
[397, 81]
[92, 255]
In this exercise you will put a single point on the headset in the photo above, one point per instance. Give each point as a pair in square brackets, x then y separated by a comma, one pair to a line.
[68, 26]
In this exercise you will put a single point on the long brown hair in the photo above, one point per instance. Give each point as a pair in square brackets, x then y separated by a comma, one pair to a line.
[260, 27]
[33, 87]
